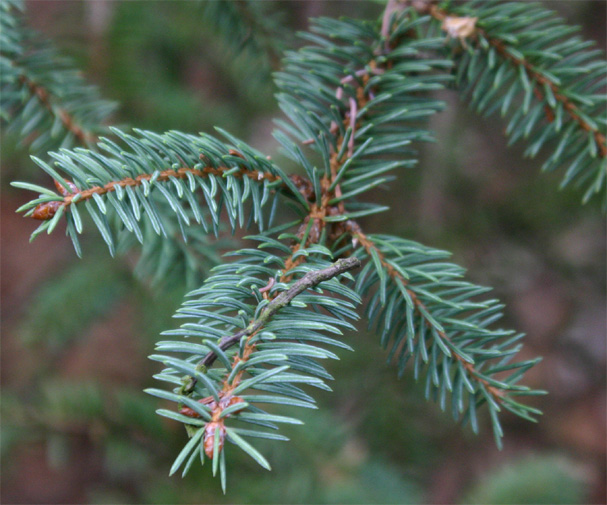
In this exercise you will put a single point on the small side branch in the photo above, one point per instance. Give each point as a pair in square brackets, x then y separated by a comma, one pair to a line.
[69, 123]
[535, 75]
[568, 105]
[369, 246]
[47, 210]
[308, 281]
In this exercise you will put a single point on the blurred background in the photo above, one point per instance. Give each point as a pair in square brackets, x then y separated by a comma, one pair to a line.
[76, 426]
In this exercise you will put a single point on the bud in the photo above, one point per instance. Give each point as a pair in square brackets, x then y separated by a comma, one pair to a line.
[209, 437]
[46, 211]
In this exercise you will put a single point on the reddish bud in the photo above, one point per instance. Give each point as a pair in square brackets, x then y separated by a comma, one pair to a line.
[46, 211]
[234, 400]
[209, 437]
[62, 187]
[187, 411]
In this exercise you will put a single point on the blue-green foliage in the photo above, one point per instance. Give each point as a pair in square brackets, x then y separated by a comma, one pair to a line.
[44, 99]
[149, 155]
[308, 84]
[356, 98]
[285, 351]
[541, 68]
[427, 313]
[397, 101]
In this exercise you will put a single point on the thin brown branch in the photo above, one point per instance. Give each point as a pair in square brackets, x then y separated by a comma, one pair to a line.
[368, 245]
[68, 121]
[47, 210]
[308, 281]
[539, 80]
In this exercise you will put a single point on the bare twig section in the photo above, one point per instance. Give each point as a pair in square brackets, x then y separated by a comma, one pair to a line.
[68, 121]
[216, 427]
[364, 75]
[353, 112]
[309, 280]
[268, 286]
[534, 75]
[392, 8]
[368, 245]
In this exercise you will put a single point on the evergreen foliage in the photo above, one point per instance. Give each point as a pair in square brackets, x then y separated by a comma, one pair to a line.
[356, 98]
[252, 31]
[124, 180]
[276, 342]
[532, 68]
[445, 329]
[45, 100]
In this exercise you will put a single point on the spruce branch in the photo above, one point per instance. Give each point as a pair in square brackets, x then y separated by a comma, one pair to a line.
[374, 251]
[356, 99]
[357, 93]
[427, 313]
[225, 398]
[311, 279]
[69, 121]
[538, 79]
[44, 100]
[363, 115]
[278, 346]
[523, 60]
[156, 170]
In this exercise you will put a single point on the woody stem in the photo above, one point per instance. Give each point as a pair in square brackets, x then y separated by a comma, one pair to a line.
[308, 281]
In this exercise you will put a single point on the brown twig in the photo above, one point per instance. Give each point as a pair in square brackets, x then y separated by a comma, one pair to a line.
[47, 210]
[539, 80]
[268, 286]
[68, 121]
[368, 245]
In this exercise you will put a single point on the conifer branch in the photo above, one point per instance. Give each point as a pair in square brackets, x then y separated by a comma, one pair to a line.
[68, 120]
[215, 427]
[278, 342]
[45, 101]
[538, 79]
[523, 61]
[137, 183]
[355, 98]
[426, 312]
[46, 211]
[279, 301]
[373, 251]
